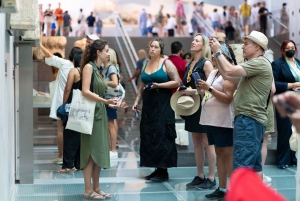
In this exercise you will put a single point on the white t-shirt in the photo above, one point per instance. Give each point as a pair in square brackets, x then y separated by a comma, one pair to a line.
[214, 112]
[64, 67]
[171, 23]
[215, 17]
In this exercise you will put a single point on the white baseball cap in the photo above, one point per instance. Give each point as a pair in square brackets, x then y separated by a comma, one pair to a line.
[92, 37]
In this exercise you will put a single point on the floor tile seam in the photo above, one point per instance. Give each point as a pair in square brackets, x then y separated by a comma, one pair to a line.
[104, 180]
[294, 171]
[174, 191]
[118, 193]
[116, 160]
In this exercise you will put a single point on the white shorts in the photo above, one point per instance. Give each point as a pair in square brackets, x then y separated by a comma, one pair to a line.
[47, 19]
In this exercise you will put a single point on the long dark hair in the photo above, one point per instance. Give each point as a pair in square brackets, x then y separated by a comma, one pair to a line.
[231, 52]
[90, 53]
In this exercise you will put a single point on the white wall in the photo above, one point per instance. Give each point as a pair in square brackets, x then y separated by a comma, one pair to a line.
[7, 153]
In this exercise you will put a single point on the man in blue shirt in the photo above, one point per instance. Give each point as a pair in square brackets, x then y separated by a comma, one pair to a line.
[143, 23]
[91, 22]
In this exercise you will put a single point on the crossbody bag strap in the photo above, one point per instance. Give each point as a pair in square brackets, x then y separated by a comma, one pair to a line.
[269, 96]
[106, 75]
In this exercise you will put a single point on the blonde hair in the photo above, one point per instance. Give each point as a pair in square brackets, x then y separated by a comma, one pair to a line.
[206, 52]
[112, 57]
[142, 54]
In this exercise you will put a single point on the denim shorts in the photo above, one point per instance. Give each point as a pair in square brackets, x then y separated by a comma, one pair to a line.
[111, 113]
[247, 143]
[219, 136]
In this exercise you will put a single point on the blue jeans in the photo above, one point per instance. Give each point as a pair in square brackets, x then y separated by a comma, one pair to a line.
[143, 31]
[247, 143]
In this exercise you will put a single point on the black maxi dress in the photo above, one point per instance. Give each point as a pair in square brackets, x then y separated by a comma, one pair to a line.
[157, 127]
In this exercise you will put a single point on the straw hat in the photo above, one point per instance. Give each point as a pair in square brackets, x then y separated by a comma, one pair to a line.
[258, 38]
[185, 105]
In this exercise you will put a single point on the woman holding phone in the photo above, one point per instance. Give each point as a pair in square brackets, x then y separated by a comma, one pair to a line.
[200, 65]
[94, 150]
[217, 113]
[157, 128]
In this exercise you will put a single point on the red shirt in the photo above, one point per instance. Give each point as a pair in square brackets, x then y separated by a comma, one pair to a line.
[180, 65]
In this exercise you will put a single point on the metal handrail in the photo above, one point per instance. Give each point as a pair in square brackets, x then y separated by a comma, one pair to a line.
[202, 21]
[121, 32]
[277, 21]
[120, 21]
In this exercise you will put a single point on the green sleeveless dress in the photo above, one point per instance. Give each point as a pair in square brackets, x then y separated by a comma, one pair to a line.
[97, 144]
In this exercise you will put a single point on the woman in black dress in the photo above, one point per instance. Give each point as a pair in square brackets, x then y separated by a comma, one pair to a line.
[157, 128]
[200, 63]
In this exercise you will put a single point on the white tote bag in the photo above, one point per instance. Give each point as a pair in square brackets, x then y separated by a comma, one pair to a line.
[81, 115]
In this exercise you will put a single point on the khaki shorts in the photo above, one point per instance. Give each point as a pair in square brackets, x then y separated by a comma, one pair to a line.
[246, 21]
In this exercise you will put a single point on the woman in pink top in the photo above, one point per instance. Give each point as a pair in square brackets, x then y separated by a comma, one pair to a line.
[217, 114]
[180, 15]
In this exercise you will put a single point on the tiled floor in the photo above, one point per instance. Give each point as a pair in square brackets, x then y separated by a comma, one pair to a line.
[124, 180]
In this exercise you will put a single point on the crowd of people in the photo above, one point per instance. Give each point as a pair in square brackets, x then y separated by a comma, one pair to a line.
[56, 22]
[228, 108]
[235, 22]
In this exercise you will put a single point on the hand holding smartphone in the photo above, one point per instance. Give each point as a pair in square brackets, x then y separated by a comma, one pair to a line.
[286, 106]
[137, 115]
[196, 76]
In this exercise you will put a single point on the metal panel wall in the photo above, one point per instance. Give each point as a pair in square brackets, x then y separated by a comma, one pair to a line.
[24, 68]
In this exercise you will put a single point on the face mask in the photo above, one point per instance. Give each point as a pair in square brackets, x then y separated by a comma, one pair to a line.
[290, 53]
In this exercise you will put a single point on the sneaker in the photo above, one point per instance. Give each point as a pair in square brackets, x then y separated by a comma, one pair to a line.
[113, 155]
[267, 179]
[217, 194]
[196, 181]
[153, 174]
[58, 160]
[207, 184]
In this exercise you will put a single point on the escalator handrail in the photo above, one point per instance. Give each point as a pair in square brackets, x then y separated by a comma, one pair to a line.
[119, 30]
[120, 22]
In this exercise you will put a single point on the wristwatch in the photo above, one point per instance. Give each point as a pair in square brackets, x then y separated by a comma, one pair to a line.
[210, 89]
[218, 54]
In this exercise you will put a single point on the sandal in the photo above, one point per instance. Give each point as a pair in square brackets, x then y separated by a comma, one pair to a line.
[101, 192]
[66, 170]
[93, 196]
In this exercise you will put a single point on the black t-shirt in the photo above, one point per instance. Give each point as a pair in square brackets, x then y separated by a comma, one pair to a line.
[91, 20]
[229, 31]
[263, 10]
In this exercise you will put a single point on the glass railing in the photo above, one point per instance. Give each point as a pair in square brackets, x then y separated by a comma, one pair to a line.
[280, 28]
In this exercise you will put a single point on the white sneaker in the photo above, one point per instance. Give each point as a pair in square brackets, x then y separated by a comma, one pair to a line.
[113, 155]
[58, 160]
[267, 179]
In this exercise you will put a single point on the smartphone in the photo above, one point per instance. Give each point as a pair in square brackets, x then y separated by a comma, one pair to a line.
[196, 76]
[286, 106]
[137, 115]
[182, 88]
[148, 86]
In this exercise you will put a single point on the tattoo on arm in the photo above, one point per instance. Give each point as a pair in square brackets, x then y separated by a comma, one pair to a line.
[172, 71]
[139, 96]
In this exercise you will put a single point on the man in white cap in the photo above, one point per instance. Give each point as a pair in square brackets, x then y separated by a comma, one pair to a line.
[91, 38]
[250, 99]
[87, 40]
